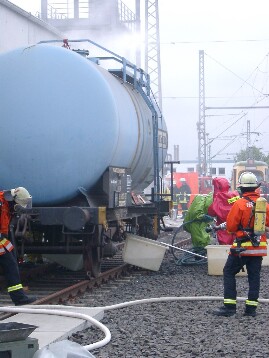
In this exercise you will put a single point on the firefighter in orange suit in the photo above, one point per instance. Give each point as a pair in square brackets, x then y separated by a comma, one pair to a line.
[8, 260]
[184, 196]
[248, 248]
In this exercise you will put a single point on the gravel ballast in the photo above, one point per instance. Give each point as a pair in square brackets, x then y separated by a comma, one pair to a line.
[179, 328]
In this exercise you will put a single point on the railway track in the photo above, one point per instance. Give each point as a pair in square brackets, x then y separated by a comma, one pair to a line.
[53, 284]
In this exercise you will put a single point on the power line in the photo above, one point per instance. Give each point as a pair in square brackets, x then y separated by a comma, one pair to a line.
[207, 97]
[239, 107]
[210, 41]
[226, 68]
[244, 82]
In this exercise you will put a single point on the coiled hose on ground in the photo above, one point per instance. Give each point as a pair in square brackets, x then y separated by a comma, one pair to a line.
[193, 256]
[191, 259]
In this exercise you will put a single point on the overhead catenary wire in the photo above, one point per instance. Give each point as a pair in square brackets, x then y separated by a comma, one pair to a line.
[211, 41]
[242, 114]
[240, 78]
[245, 81]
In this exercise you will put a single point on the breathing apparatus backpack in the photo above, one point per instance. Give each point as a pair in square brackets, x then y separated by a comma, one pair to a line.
[259, 213]
[260, 216]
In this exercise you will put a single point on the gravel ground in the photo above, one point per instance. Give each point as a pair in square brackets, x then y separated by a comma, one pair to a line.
[179, 329]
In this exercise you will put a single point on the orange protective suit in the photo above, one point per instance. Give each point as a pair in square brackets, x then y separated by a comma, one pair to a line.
[239, 218]
[4, 224]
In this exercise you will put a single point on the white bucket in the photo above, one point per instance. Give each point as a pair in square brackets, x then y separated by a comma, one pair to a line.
[217, 256]
[142, 252]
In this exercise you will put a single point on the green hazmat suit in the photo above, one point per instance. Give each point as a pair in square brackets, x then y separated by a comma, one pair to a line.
[197, 219]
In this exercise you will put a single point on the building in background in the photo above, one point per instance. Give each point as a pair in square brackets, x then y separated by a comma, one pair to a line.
[221, 168]
[108, 22]
[20, 28]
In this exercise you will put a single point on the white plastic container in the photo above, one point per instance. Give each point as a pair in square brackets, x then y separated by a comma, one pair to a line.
[217, 256]
[142, 252]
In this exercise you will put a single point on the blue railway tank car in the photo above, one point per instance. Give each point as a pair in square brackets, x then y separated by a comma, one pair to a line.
[79, 137]
[64, 120]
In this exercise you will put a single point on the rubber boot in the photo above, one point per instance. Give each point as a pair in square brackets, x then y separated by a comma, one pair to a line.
[225, 311]
[19, 298]
[250, 311]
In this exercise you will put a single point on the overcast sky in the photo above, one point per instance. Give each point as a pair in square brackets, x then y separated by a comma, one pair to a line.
[233, 35]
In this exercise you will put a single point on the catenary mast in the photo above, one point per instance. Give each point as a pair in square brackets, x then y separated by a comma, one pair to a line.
[202, 160]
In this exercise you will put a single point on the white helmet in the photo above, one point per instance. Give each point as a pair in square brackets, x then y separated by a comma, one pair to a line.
[248, 180]
[182, 179]
[22, 197]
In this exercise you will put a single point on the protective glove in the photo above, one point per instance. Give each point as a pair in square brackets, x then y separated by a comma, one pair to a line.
[222, 226]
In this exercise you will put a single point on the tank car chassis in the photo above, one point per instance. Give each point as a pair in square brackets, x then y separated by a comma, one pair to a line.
[86, 229]
[97, 219]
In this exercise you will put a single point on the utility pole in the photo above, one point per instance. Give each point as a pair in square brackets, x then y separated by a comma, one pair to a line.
[208, 145]
[176, 152]
[202, 163]
[248, 139]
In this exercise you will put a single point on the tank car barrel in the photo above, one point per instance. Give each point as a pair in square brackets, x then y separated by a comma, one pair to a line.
[96, 143]
[71, 144]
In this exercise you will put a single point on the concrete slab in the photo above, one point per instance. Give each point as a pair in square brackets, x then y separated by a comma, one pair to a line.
[52, 328]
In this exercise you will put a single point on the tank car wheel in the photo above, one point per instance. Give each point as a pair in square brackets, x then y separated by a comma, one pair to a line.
[179, 236]
[146, 227]
[93, 262]
[92, 254]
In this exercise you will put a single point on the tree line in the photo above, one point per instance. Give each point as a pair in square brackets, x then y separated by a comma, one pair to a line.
[251, 153]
